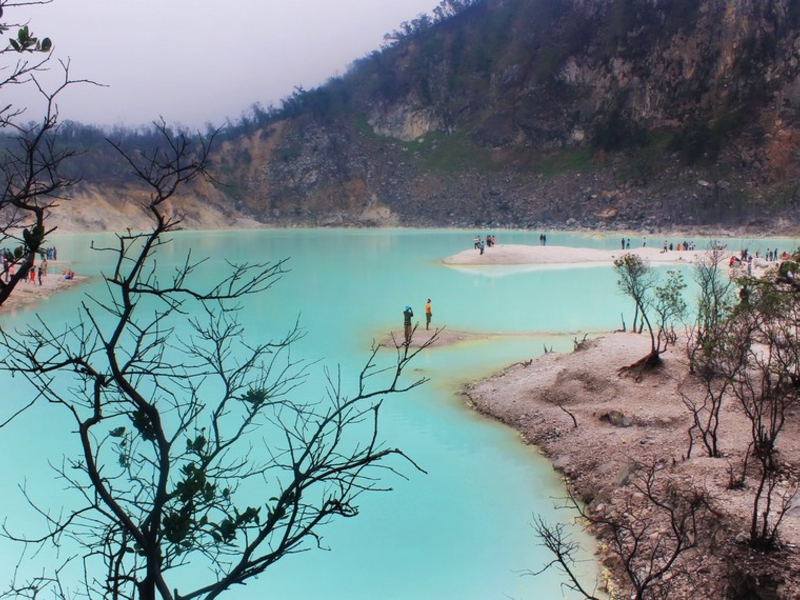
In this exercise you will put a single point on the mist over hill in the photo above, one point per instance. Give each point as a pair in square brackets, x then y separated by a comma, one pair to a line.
[601, 114]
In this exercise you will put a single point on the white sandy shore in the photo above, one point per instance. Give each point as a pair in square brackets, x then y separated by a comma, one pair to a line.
[518, 254]
[28, 293]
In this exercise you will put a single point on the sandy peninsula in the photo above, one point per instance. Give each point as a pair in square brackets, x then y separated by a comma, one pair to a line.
[25, 294]
[562, 403]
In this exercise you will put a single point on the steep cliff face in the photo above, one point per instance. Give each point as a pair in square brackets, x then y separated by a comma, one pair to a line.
[114, 208]
[621, 114]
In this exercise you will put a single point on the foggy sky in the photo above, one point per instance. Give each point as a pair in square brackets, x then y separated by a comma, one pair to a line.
[194, 62]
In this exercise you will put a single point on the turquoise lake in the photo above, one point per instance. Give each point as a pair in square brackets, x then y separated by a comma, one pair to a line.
[461, 531]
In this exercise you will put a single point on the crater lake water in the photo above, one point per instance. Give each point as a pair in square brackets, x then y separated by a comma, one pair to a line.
[463, 529]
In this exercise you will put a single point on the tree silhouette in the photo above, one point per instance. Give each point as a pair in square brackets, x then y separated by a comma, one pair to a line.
[195, 447]
[31, 160]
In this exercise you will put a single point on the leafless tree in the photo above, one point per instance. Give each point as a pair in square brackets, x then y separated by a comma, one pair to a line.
[749, 351]
[767, 386]
[195, 448]
[565, 551]
[715, 369]
[651, 532]
[714, 350]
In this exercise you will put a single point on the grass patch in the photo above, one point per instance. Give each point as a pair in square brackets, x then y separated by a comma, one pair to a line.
[645, 163]
[436, 151]
[363, 127]
[566, 161]
[453, 153]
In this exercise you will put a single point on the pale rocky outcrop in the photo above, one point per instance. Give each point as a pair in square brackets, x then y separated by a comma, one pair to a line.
[404, 122]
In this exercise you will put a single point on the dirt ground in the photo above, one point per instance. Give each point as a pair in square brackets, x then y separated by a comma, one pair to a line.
[600, 460]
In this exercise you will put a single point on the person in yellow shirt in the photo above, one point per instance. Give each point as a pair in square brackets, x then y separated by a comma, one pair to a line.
[428, 314]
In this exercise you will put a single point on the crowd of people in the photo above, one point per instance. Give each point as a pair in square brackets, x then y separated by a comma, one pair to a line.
[35, 272]
[680, 246]
[748, 260]
[480, 244]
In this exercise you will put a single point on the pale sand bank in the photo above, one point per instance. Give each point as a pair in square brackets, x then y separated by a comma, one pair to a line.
[25, 294]
[448, 337]
[519, 254]
[558, 402]
[445, 337]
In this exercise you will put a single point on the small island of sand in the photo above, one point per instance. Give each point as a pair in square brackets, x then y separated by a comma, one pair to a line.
[520, 254]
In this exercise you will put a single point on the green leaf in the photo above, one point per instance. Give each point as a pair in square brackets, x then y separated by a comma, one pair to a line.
[255, 396]
[176, 527]
[117, 432]
[227, 530]
[143, 425]
[209, 491]
[47, 45]
[196, 445]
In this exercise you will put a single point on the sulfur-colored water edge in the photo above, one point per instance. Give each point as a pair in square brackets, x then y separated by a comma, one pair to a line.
[463, 529]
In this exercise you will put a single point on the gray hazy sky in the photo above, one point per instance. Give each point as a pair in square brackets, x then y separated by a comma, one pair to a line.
[197, 61]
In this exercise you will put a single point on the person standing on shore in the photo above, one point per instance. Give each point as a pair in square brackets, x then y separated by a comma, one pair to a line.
[428, 314]
[407, 314]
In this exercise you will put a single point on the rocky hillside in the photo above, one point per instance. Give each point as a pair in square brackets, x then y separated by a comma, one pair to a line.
[603, 114]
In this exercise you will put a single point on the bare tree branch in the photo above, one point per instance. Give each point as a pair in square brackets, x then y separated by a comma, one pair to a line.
[197, 444]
